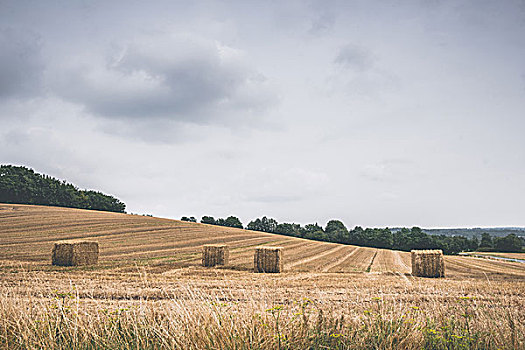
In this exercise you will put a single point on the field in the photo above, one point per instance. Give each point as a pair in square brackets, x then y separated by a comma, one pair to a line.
[520, 256]
[149, 291]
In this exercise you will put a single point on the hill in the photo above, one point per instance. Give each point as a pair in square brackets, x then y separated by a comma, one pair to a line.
[21, 185]
[149, 291]
[27, 234]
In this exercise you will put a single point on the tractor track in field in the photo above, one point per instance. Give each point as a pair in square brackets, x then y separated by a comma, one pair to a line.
[314, 257]
[339, 261]
[371, 262]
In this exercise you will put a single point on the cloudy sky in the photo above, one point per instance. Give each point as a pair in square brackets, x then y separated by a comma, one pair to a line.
[379, 113]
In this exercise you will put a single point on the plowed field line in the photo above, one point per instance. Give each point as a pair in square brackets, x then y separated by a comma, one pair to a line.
[80, 235]
[339, 261]
[315, 257]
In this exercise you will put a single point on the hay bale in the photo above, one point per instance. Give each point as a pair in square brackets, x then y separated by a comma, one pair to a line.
[215, 254]
[268, 259]
[75, 253]
[428, 263]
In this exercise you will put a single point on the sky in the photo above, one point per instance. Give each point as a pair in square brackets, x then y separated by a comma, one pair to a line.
[377, 113]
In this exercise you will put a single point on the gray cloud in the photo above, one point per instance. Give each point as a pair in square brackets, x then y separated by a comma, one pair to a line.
[354, 57]
[391, 171]
[281, 185]
[356, 73]
[388, 113]
[177, 77]
[20, 64]
[322, 24]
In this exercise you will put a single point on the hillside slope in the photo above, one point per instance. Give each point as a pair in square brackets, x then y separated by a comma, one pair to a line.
[126, 241]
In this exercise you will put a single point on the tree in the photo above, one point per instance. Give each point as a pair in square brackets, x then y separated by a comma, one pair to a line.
[335, 226]
[189, 219]
[232, 221]
[22, 185]
[381, 238]
[401, 239]
[289, 229]
[314, 231]
[473, 243]
[509, 243]
[336, 231]
[208, 220]
[264, 224]
[419, 239]
[486, 240]
[357, 236]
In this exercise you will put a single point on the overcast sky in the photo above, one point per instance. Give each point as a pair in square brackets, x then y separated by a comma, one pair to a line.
[379, 113]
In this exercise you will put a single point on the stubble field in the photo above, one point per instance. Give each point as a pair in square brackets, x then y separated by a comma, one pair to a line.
[149, 291]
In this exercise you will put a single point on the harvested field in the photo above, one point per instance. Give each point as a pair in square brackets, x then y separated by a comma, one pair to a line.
[391, 261]
[27, 234]
[520, 256]
[149, 283]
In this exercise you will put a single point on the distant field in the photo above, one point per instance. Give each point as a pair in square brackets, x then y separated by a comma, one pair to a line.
[149, 288]
[520, 256]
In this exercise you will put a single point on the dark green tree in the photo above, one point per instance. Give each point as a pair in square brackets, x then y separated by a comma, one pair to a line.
[314, 231]
[22, 185]
[473, 243]
[401, 239]
[264, 224]
[486, 240]
[208, 220]
[336, 231]
[509, 243]
[289, 229]
[232, 221]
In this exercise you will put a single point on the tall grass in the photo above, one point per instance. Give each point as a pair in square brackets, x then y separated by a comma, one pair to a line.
[195, 320]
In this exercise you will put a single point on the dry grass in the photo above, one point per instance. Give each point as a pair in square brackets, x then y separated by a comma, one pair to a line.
[150, 292]
[199, 308]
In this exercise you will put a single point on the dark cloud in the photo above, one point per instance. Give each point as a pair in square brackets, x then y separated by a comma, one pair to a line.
[20, 64]
[172, 77]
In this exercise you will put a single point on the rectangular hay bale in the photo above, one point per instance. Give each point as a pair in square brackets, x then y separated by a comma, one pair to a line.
[268, 259]
[75, 253]
[428, 263]
[215, 254]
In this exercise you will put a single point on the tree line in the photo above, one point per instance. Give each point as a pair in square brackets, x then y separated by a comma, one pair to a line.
[404, 239]
[21, 185]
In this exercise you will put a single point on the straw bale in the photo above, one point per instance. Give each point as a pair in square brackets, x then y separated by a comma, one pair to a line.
[268, 259]
[428, 263]
[215, 254]
[75, 253]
